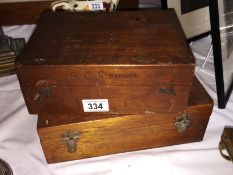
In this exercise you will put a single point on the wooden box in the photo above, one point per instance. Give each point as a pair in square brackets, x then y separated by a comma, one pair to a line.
[102, 135]
[139, 61]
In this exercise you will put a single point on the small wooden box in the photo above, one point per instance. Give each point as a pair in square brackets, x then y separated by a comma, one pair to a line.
[102, 135]
[139, 61]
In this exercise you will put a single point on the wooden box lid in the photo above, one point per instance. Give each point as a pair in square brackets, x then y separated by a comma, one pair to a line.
[140, 56]
[124, 38]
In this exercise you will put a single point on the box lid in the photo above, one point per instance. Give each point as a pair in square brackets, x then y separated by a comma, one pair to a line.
[129, 37]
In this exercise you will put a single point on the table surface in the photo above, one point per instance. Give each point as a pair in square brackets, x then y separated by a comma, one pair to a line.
[20, 145]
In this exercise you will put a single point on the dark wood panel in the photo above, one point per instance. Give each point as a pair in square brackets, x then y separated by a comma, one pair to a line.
[121, 99]
[105, 75]
[22, 12]
[141, 94]
[128, 5]
[139, 37]
[29, 12]
[197, 96]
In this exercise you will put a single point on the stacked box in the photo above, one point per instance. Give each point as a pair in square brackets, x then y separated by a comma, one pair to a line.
[115, 72]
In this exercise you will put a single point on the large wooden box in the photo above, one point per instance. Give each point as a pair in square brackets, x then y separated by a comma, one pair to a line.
[139, 61]
[102, 135]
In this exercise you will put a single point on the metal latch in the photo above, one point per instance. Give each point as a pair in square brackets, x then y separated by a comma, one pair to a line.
[226, 143]
[182, 123]
[44, 89]
[70, 138]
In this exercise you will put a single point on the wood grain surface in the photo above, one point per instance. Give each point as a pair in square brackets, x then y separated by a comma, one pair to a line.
[117, 134]
[140, 89]
[127, 58]
[123, 38]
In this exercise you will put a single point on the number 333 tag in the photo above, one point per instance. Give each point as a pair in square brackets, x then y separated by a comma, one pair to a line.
[95, 105]
[95, 5]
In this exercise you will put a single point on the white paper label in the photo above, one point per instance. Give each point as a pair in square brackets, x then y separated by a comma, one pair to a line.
[95, 105]
[95, 5]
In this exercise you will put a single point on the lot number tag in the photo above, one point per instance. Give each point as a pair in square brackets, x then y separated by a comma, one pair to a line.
[95, 105]
[95, 5]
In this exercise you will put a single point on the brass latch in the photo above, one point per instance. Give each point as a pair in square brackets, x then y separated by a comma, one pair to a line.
[226, 143]
[44, 89]
[70, 138]
[182, 123]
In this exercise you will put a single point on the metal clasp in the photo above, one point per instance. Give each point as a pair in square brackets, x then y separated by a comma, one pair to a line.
[44, 89]
[70, 138]
[182, 123]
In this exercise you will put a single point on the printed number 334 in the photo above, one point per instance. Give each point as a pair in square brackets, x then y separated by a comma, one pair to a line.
[95, 106]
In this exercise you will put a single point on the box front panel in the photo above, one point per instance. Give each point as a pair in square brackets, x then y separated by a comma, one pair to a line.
[122, 134]
[106, 75]
[129, 89]
[121, 99]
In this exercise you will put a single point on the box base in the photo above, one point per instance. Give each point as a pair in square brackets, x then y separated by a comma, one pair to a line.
[119, 134]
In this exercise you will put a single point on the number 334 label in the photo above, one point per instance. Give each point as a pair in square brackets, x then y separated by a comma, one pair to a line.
[95, 105]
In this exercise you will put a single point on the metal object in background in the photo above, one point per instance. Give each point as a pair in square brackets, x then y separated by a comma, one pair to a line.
[5, 168]
[80, 5]
[10, 48]
[221, 18]
[226, 144]
[196, 10]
